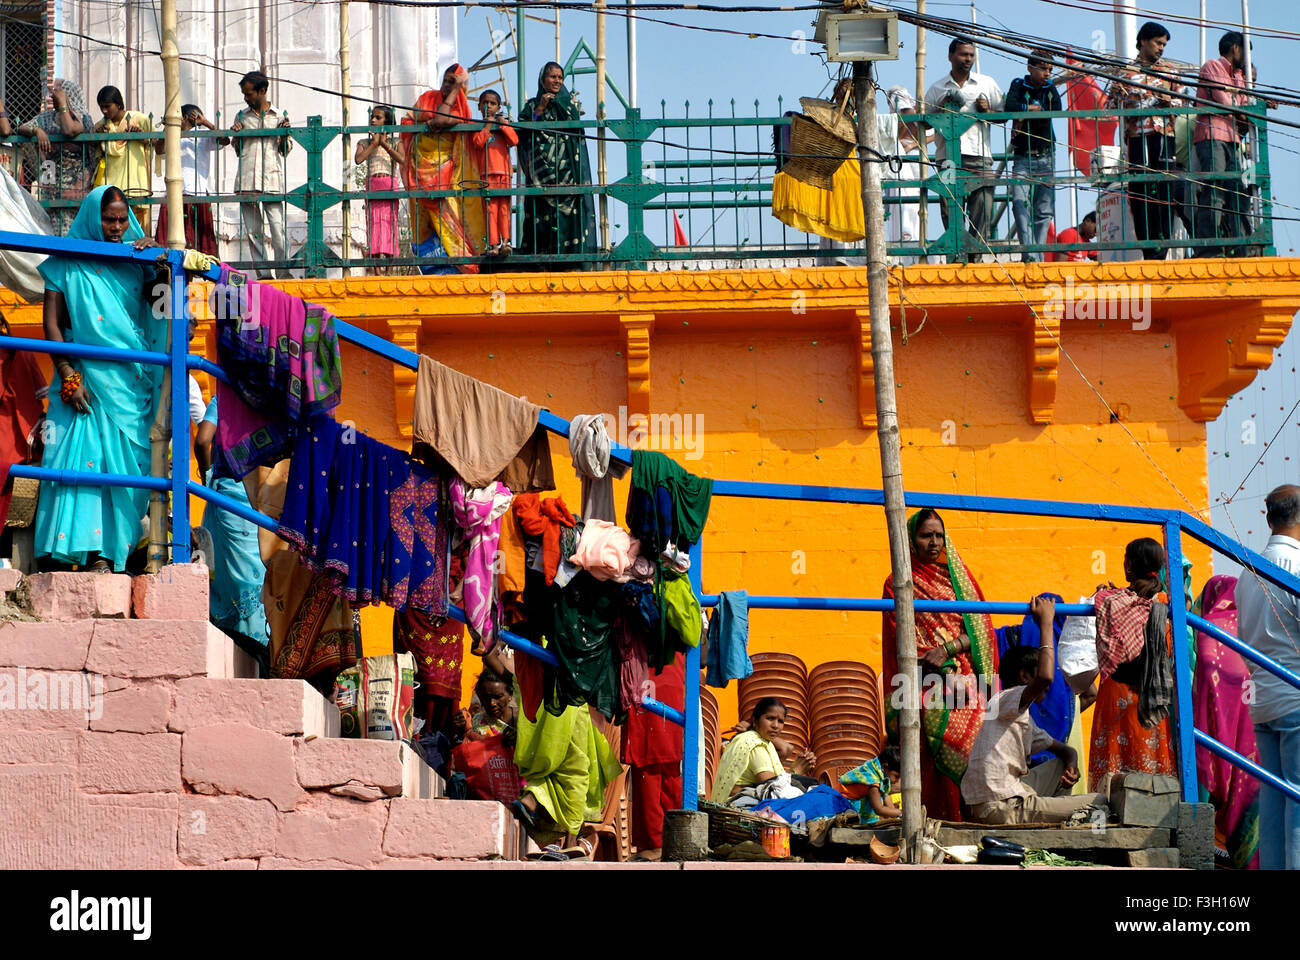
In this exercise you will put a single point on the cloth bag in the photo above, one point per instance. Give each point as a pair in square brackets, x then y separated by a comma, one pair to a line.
[1076, 650]
[376, 697]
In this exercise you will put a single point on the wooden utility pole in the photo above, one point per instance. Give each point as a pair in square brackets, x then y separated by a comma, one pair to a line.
[160, 430]
[891, 469]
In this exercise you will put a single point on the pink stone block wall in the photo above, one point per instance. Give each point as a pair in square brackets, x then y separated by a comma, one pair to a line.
[134, 735]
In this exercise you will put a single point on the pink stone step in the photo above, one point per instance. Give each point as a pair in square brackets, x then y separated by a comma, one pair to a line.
[9, 579]
[38, 746]
[216, 829]
[133, 706]
[135, 832]
[47, 646]
[79, 596]
[290, 707]
[42, 816]
[178, 591]
[446, 829]
[129, 762]
[366, 769]
[48, 700]
[310, 836]
[165, 648]
[241, 760]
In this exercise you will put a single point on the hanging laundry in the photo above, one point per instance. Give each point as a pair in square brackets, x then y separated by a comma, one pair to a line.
[281, 356]
[313, 635]
[586, 613]
[690, 494]
[650, 519]
[480, 430]
[606, 551]
[510, 571]
[728, 657]
[634, 670]
[589, 448]
[478, 513]
[682, 619]
[367, 515]
[545, 519]
[438, 647]
[569, 538]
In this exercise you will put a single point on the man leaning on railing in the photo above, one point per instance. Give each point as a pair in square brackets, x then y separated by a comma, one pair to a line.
[963, 91]
[1221, 207]
[1268, 618]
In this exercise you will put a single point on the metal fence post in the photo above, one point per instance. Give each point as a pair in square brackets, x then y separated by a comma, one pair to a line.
[179, 317]
[691, 707]
[1184, 719]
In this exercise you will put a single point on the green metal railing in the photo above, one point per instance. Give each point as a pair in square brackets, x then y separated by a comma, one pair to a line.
[712, 175]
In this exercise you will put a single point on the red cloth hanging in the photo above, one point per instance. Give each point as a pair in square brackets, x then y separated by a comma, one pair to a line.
[1087, 133]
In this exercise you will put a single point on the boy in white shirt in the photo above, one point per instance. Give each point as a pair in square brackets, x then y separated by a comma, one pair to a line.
[196, 167]
[999, 785]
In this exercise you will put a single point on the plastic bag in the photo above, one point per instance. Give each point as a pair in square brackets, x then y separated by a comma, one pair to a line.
[489, 768]
[1076, 650]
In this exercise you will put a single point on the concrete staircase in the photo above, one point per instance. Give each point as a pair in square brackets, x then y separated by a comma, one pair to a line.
[134, 734]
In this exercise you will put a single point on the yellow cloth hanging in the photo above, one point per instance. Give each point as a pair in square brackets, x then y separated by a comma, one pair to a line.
[835, 213]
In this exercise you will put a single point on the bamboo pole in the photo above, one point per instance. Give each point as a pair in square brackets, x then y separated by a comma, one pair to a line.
[345, 79]
[160, 431]
[891, 470]
[602, 173]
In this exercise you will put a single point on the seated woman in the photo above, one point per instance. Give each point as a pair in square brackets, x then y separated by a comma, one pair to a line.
[102, 410]
[495, 691]
[1120, 741]
[958, 647]
[750, 769]
[563, 759]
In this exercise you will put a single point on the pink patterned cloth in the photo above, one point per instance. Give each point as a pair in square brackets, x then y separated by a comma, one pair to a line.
[606, 551]
[1121, 628]
[478, 513]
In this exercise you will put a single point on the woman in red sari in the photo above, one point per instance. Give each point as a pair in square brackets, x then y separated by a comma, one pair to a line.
[438, 160]
[958, 659]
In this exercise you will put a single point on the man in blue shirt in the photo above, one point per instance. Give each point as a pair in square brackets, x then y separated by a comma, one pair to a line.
[1033, 148]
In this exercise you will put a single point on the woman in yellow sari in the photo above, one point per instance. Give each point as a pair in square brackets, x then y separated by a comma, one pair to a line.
[440, 160]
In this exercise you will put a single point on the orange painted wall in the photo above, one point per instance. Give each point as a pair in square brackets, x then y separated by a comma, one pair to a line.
[780, 395]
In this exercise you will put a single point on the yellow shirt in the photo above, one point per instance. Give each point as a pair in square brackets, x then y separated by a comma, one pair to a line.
[126, 162]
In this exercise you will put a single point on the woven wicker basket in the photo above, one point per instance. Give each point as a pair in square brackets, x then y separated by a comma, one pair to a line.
[22, 508]
[730, 825]
[815, 153]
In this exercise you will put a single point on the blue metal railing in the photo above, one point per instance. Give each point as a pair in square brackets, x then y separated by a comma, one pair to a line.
[1173, 522]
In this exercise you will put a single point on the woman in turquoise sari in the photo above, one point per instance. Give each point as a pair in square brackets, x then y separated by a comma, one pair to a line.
[100, 410]
[235, 601]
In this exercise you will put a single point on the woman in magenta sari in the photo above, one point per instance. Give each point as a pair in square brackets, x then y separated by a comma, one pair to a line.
[1221, 709]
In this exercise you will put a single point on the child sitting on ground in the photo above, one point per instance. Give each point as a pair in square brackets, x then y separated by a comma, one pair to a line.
[999, 786]
[868, 786]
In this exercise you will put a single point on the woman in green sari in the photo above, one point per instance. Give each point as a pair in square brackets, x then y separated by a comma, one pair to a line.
[100, 410]
[555, 223]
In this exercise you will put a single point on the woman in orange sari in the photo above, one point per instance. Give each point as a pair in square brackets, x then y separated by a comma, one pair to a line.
[439, 160]
[1120, 741]
[958, 655]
